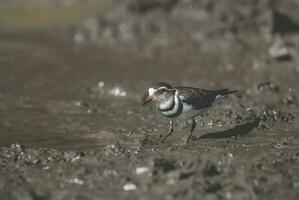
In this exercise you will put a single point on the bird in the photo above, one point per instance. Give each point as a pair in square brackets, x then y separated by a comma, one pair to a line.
[182, 102]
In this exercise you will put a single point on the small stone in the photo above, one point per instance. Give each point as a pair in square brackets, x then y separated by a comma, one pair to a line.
[76, 181]
[229, 67]
[280, 52]
[118, 92]
[210, 123]
[129, 187]
[110, 173]
[228, 195]
[101, 84]
[288, 100]
[141, 170]
[79, 37]
[230, 155]
[268, 86]
[78, 103]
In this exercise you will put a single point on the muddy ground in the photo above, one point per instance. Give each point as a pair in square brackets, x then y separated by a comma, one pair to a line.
[72, 124]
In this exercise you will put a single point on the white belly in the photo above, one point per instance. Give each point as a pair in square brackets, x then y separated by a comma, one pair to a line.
[189, 112]
[187, 107]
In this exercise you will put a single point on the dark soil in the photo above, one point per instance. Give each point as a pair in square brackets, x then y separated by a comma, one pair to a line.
[72, 125]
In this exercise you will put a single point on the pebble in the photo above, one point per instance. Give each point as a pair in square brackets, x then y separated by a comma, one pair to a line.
[129, 187]
[141, 170]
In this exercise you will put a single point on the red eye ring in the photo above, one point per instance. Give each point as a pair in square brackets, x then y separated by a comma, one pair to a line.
[159, 92]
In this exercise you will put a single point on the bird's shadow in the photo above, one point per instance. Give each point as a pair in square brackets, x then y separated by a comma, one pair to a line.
[239, 130]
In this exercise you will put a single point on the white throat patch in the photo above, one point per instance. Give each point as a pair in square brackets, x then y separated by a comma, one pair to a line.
[151, 91]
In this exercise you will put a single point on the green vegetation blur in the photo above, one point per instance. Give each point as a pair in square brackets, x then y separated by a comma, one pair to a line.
[24, 15]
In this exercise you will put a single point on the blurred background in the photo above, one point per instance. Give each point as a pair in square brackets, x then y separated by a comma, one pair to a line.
[180, 41]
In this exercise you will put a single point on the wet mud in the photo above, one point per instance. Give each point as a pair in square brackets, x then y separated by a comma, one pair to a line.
[72, 124]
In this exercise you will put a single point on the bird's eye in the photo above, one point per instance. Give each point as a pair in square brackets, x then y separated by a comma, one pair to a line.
[160, 91]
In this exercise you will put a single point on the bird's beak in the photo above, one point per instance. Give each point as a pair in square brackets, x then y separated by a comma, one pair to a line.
[146, 99]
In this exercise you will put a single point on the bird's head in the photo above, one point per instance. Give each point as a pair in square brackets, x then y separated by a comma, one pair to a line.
[159, 92]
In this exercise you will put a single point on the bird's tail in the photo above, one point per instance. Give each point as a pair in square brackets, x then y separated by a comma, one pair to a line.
[224, 92]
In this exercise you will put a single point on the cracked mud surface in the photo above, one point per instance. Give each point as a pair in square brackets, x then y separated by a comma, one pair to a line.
[73, 127]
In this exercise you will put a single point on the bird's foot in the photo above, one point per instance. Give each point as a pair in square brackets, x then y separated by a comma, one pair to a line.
[170, 131]
[165, 137]
[189, 135]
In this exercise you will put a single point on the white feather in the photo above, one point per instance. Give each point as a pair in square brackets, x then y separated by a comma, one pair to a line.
[151, 91]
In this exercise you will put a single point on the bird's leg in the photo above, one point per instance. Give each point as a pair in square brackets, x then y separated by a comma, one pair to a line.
[170, 131]
[189, 135]
[200, 120]
[185, 125]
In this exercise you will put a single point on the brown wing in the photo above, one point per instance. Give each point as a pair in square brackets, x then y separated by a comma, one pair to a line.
[196, 97]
